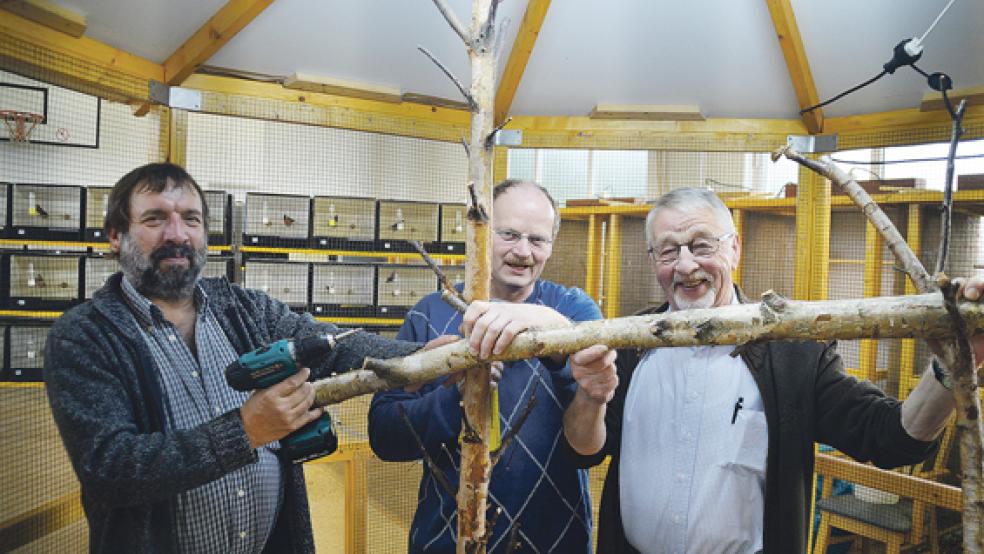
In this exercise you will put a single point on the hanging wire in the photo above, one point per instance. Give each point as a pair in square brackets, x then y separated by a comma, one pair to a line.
[906, 52]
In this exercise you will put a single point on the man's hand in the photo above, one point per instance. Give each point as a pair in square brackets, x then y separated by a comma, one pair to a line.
[594, 370]
[970, 289]
[492, 326]
[273, 413]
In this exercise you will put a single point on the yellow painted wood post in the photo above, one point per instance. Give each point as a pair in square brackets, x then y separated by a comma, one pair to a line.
[356, 507]
[907, 356]
[613, 267]
[738, 217]
[177, 150]
[812, 262]
[500, 164]
[594, 257]
[810, 281]
[874, 247]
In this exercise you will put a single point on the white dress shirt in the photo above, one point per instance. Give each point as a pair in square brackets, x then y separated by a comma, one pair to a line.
[692, 469]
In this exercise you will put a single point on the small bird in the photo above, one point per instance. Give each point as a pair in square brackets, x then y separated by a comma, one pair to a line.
[288, 220]
[41, 211]
[391, 278]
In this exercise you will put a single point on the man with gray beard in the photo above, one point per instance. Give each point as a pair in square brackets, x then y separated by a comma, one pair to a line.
[169, 457]
[712, 446]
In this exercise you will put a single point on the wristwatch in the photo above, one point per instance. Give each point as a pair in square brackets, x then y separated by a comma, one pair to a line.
[942, 376]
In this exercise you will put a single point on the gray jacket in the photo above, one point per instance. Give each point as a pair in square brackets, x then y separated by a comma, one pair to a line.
[107, 402]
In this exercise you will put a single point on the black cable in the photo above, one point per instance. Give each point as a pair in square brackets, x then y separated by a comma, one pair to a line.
[907, 161]
[845, 93]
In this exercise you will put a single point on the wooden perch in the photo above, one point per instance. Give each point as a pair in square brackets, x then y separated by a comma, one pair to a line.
[777, 318]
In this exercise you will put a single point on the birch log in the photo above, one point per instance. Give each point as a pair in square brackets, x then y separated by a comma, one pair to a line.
[956, 351]
[476, 467]
[775, 318]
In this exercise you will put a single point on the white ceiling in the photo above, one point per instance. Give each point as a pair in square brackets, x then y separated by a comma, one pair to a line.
[722, 55]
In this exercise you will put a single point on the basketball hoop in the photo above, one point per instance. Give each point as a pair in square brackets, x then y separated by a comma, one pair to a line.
[20, 125]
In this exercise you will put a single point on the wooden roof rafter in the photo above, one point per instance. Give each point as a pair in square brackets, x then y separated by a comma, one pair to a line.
[784, 21]
[210, 38]
[519, 56]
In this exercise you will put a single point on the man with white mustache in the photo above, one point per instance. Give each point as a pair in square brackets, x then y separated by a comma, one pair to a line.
[712, 446]
[540, 496]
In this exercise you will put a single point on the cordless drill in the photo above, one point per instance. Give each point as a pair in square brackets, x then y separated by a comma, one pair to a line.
[271, 364]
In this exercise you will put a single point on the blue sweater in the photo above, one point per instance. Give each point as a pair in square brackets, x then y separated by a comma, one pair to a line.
[534, 483]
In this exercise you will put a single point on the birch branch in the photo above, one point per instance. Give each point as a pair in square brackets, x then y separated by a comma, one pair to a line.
[449, 294]
[461, 88]
[947, 211]
[893, 239]
[453, 22]
[956, 352]
[777, 318]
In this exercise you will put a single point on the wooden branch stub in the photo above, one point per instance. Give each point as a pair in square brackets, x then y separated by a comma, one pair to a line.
[490, 140]
[476, 211]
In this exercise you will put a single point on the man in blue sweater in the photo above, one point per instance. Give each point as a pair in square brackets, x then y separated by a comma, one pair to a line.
[540, 497]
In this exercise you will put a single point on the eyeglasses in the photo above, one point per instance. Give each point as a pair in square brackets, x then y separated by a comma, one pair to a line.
[511, 236]
[701, 247]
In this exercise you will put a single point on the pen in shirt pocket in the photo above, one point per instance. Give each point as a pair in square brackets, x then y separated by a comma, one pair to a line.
[734, 415]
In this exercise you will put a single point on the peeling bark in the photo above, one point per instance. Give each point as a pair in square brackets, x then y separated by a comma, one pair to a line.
[777, 318]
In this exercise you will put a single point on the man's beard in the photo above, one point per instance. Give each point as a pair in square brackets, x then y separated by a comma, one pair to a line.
[705, 301]
[147, 276]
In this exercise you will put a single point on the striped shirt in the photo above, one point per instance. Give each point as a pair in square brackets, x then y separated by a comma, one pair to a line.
[236, 513]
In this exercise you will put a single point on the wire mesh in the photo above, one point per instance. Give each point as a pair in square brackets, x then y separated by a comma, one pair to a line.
[324, 199]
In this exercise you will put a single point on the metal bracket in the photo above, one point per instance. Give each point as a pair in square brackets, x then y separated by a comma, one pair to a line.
[509, 137]
[176, 97]
[811, 144]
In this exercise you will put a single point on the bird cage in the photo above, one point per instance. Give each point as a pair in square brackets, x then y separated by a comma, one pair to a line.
[219, 216]
[96, 208]
[343, 223]
[26, 348]
[46, 212]
[218, 266]
[42, 281]
[401, 222]
[285, 281]
[454, 226]
[97, 270]
[343, 289]
[399, 287]
[278, 220]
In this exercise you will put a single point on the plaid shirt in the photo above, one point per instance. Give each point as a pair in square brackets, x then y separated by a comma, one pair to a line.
[236, 513]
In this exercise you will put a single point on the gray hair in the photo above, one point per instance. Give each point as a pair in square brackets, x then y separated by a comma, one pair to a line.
[512, 183]
[685, 199]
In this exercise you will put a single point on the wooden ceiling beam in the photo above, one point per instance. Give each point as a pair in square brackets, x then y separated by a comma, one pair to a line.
[791, 43]
[83, 48]
[519, 56]
[50, 15]
[210, 38]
